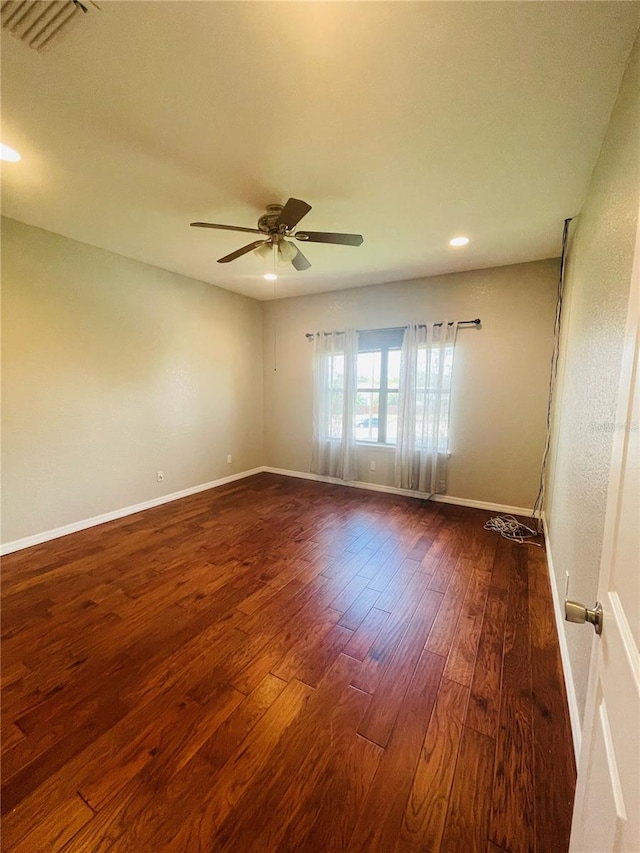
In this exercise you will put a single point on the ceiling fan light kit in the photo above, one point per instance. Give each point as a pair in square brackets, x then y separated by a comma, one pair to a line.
[278, 225]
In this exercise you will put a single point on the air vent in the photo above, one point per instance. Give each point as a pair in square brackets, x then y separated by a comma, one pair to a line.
[41, 23]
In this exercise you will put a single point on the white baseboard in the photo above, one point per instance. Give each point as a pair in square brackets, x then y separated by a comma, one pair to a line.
[56, 533]
[392, 490]
[574, 713]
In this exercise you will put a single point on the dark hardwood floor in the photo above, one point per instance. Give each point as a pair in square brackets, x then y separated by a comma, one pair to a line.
[282, 665]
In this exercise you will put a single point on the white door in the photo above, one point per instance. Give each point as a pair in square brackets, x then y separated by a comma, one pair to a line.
[607, 810]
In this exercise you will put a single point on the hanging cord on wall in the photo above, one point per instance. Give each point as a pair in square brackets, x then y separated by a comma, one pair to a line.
[539, 502]
[508, 526]
[275, 324]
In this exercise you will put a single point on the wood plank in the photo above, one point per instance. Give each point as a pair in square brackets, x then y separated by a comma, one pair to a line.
[147, 815]
[366, 634]
[444, 628]
[166, 739]
[398, 584]
[196, 655]
[13, 672]
[441, 559]
[139, 810]
[327, 815]
[382, 812]
[462, 655]
[67, 738]
[56, 829]
[512, 814]
[551, 724]
[291, 662]
[467, 821]
[248, 672]
[346, 597]
[115, 759]
[420, 548]
[218, 748]
[352, 618]
[380, 718]
[484, 700]
[321, 656]
[382, 650]
[330, 716]
[442, 573]
[11, 735]
[237, 775]
[426, 808]
[389, 566]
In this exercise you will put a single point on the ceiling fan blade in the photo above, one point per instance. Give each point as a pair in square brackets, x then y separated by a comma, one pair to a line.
[243, 251]
[224, 227]
[300, 262]
[328, 237]
[292, 213]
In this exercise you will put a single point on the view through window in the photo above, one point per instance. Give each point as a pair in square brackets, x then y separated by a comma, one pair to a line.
[378, 384]
[377, 396]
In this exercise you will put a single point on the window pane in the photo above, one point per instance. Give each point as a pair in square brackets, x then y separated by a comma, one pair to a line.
[394, 369]
[421, 381]
[434, 364]
[367, 403]
[336, 372]
[392, 417]
[443, 431]
[335, 425]
[369, 369]
[429, 367]
[432, 422]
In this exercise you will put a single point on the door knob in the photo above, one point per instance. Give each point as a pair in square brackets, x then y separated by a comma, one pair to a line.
[574, 612]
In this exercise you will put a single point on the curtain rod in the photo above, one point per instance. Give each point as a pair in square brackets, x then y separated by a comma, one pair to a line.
[475, 322]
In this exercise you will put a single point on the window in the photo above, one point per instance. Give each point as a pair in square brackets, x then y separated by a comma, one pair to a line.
[378, 385]
[384, 388]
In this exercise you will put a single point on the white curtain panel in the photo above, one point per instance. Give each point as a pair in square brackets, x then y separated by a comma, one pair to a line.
[423, 407]
[335, 380]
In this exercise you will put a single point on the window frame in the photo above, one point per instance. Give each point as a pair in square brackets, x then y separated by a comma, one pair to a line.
[383, 341]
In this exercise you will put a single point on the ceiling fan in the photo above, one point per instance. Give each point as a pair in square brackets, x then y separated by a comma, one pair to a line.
[278, 226]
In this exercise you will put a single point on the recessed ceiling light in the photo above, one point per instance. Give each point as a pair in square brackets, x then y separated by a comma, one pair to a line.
[270, 276]
[459, 241]
[9, 154]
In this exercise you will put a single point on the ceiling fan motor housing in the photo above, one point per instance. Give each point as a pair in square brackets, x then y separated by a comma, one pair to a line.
[268, 221]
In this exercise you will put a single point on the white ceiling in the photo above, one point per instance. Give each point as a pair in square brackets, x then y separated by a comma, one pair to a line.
[408, 122]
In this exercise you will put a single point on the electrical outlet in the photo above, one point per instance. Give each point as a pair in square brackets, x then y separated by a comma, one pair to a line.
[160, 476]
[372, 466]
[229, 459]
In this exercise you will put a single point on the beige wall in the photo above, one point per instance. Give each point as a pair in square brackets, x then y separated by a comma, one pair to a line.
[113, 370]
[597, 289]
[500, 381]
